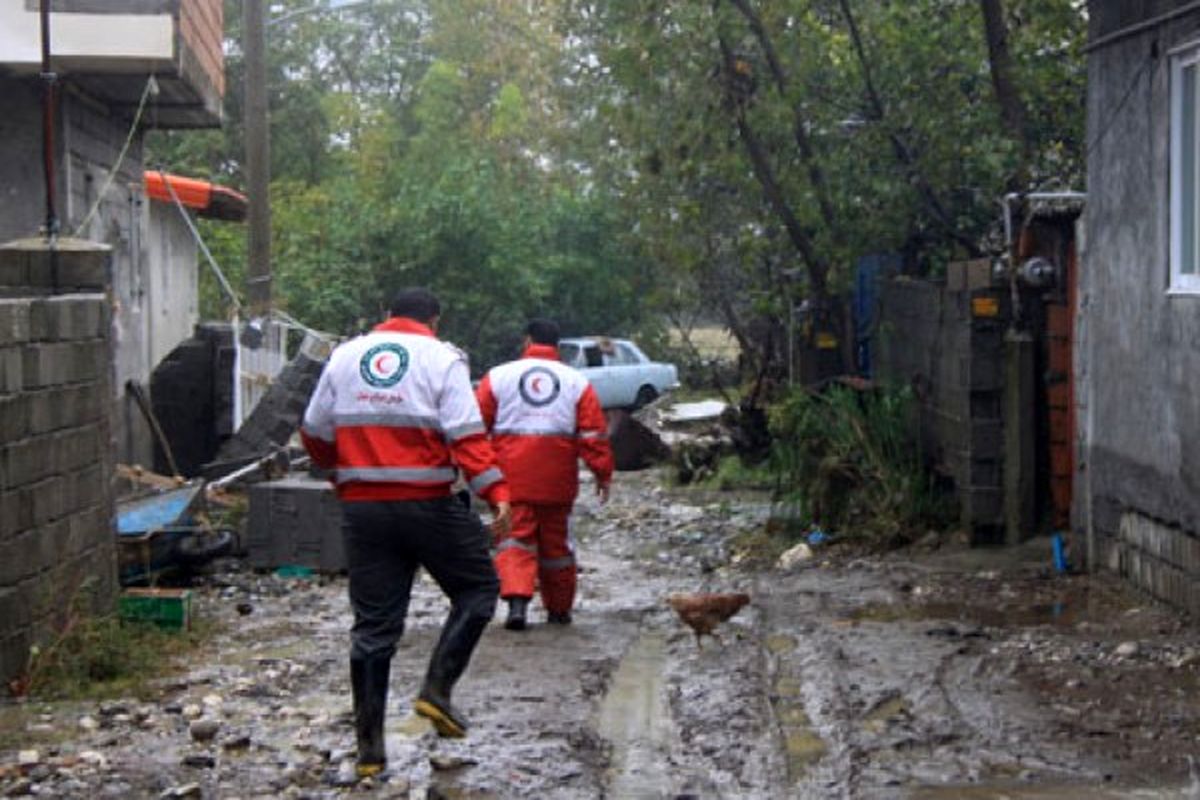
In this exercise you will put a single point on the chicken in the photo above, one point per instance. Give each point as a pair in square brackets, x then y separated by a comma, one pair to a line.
[703, 612]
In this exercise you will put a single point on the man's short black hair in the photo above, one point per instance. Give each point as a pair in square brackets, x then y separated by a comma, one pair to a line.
[542, 331]
[415, 303]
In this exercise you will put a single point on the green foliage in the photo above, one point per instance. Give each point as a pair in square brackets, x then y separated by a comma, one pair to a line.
[97, 655]
[847, 460]
[732, 474]
[588, 160]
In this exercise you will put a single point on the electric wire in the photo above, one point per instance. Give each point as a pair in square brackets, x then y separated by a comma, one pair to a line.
[151, 88]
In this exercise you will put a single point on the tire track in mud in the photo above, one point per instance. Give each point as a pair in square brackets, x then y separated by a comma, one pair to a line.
[871, 708]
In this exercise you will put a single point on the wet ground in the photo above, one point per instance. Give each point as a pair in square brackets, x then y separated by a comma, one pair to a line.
[944, 674]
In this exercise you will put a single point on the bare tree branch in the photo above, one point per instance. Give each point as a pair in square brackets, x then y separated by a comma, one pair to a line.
[816, 175]
[1012, 108]
[900, 148]
[765, 174]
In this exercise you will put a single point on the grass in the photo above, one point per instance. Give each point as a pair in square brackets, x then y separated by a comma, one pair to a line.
[732, 475]
[98, 656]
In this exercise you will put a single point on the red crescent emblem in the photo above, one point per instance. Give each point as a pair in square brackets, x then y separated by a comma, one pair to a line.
[378, 365]
[536, 383]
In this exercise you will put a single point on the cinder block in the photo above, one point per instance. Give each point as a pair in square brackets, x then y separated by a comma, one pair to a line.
[296, 520]
[14, 322]
[70, 269]
[48, 544]
[12, 370]
[14, 267]
[69, 317]
[27, 461]
[14, 561]
[88, 486]
[14, 607]
[92, 527]
[65, 407]
[77, 448]
[15, 418]
[20, 505]
[49, 498]
[44, 364]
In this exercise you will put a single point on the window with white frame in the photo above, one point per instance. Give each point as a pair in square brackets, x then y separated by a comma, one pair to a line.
[1185, 170]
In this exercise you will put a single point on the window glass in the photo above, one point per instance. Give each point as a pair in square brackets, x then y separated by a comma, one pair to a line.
[592, 354]
[625, 354]
[1187, 171]
[569, 354]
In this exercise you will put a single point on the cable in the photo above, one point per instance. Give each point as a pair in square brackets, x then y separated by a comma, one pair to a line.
[212, 262]
[151, 88]
[1116, 112]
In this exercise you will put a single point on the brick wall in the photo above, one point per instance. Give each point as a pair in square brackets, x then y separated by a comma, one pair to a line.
[57, 540]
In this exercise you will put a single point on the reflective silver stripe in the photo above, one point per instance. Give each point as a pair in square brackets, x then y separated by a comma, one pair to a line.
[556, 563]
[485, 479]
[510, 543]
[325, 435]
[469, 429]
[396, 474]
[388, 420]
[592, 435]
[531, 432]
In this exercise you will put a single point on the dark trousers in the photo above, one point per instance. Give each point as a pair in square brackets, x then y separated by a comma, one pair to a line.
[386, 542]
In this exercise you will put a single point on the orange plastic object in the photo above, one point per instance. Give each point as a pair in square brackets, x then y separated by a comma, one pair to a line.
[191, 192]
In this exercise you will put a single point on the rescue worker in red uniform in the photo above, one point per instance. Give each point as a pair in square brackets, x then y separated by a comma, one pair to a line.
[392, 417]
[543, 416]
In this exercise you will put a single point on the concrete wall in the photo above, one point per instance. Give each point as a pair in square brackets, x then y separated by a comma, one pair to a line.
[172, 287]
[928, 338]
[22, 199]
[154, 286]
[57, 541]
[1137, 501]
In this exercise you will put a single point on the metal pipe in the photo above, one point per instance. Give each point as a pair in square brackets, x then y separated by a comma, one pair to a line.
[1011, 196]
[49, 80]
[1007, 202]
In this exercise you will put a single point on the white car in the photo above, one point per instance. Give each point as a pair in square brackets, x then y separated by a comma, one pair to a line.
[619, 371]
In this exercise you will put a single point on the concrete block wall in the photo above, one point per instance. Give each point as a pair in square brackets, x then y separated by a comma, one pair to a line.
[930, 338]
[57, 540]
[281, 410]
[192, 394]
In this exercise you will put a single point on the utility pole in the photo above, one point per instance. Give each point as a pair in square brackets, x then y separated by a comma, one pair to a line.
[258, 160]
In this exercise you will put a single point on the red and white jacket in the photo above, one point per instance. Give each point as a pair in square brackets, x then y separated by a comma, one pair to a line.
[544, 416]
[393, 415]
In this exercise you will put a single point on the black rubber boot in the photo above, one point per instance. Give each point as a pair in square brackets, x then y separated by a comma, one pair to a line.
[559, 617]
[369, 684]
[447, 664]
[517, 608]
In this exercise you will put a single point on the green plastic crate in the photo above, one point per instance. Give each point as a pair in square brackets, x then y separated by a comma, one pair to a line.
[167, 608]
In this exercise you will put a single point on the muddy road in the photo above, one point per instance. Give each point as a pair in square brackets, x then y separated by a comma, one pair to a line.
[955, 674]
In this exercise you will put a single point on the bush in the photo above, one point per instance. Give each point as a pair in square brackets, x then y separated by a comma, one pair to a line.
[849, 461]
[94, 655]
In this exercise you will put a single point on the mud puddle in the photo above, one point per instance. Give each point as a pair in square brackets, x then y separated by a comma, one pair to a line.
[634, 719]
[867, 679]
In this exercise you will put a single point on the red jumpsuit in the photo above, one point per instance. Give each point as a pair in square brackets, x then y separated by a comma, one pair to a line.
[543, 417]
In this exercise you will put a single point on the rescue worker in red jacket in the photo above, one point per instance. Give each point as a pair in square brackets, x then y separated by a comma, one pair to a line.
[543, 416]
[392, 416]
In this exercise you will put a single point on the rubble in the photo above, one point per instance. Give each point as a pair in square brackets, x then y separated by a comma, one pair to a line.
[851, 679]
[796, 554]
